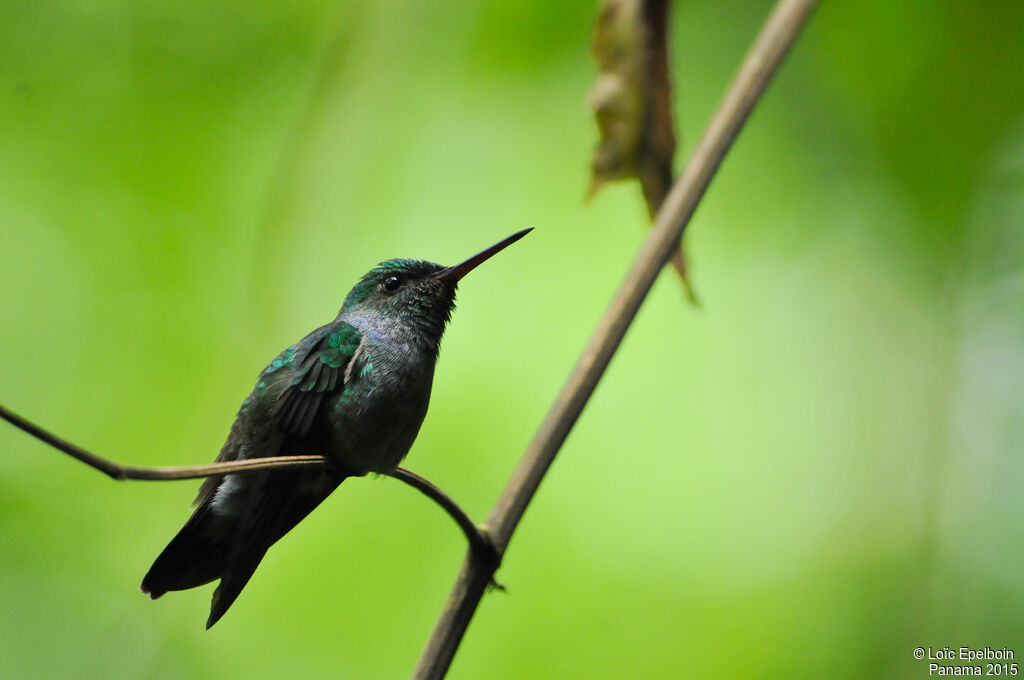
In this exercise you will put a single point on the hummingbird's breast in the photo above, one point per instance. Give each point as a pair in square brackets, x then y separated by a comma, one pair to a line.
[379, 412]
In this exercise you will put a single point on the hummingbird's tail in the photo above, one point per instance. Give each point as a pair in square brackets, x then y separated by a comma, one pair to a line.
[229, 541]
[193, 558]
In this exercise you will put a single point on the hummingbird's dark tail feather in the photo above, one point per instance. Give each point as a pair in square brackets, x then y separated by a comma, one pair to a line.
[193, 558]
[276, 502]
[228, 541]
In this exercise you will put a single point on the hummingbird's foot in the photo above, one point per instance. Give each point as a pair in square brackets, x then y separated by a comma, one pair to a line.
[494, 585]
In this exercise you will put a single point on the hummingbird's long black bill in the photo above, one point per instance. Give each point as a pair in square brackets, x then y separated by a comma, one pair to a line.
[456, 272]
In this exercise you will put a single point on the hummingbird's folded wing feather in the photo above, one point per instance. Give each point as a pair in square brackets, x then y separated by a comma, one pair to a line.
[290, 390]
[320, 370]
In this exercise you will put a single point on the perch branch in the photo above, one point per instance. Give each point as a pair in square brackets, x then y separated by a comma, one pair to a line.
[479, 541]
[772, 44]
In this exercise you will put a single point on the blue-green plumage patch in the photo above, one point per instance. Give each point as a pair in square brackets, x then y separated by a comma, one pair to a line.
[367, 370]
[282, 360]
[359, 292]
[333, 358]
[398, 264]
[341, 344]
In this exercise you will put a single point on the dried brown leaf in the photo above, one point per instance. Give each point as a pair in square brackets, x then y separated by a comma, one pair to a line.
[632, 103]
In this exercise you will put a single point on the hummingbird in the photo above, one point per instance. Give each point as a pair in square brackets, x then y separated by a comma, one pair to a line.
[355, 390]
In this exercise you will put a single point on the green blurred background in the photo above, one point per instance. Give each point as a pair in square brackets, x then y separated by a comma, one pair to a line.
[812, 475]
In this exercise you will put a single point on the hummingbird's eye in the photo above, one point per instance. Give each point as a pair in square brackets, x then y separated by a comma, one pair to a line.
[392, 283]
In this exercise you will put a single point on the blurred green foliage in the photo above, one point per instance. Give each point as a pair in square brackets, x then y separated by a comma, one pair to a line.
[810, 477]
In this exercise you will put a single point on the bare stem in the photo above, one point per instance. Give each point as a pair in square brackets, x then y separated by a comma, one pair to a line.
[479, 541]
[772, 44]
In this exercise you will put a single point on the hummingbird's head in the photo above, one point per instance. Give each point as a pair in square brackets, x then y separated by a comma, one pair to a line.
[400, 289]
[413, 291]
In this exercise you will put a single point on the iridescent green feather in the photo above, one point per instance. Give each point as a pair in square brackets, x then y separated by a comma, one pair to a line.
[341, 345]
[315, 368]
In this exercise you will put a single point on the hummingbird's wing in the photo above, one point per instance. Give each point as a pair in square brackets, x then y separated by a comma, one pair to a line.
[238, 517]
[289, 392]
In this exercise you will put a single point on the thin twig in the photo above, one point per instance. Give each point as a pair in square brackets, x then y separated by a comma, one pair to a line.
[774, 41]
[158, 474]
[479, 541]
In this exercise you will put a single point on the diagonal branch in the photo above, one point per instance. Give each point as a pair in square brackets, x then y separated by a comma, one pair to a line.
[479, 540]
[772, 44]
